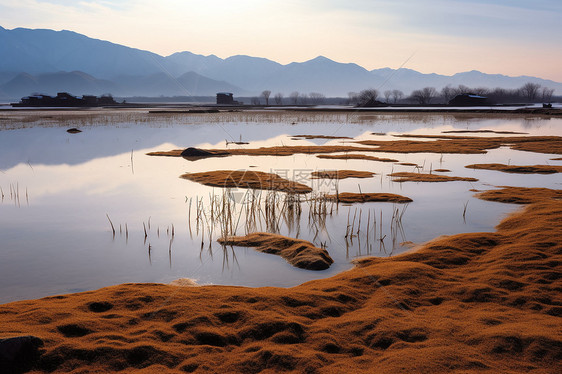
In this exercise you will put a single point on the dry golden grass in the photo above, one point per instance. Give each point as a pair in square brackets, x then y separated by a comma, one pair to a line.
[467, 144]
[482, 131]
[408, 164]
[520, 195]
[477, 302]
[519, 169]
[340, 174]
[355, 156]
[272, 151]
[419, 177]
[350, 197]
[247, 179]
[442, 170]
[441, 144]
[299, 253]
[310, 137]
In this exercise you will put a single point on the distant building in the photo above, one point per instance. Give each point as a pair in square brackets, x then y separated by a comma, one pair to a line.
[226, 98]
[64, 99]
[469, 100]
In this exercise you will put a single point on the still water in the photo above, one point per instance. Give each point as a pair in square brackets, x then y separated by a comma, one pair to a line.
[59, 189]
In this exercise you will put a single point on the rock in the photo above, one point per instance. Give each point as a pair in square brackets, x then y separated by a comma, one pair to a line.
[73, 130]
[192, 153]
[19, 354]
[196, 152]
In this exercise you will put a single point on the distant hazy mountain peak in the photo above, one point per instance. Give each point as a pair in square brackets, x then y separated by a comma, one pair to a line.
[66, 60]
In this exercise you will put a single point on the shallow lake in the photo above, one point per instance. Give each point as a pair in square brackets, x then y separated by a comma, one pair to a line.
[59, 192]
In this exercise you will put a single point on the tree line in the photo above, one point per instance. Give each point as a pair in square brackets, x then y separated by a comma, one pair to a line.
[528, 93]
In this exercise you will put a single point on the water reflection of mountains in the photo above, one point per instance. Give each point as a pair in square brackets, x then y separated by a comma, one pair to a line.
[54, 146]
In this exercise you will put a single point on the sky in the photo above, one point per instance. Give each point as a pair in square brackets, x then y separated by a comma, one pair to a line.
[511, 37]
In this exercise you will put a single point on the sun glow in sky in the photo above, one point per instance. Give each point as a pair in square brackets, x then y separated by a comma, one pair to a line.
[512, 37]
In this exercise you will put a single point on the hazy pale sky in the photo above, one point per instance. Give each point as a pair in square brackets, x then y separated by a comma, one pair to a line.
[512, 37]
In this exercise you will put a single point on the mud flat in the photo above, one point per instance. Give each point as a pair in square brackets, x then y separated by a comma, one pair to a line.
[486, 302]
[299, 253]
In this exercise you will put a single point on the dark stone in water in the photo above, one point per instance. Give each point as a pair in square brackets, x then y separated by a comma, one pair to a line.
[196, 152]
[19, 354]
[73, 130]
[192, 153]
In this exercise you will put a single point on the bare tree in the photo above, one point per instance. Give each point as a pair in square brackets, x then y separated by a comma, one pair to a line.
[294, 96]
[482, 91]
[387, 95]
[255, 100]
[397, 95]
[424, 96]
[448, 93]
[278, 98]
[462, 90]
[547, 94]
[353, 97]
[367, 96]
[317, 98]
[303, 99]
[530, 90]
[266, 94]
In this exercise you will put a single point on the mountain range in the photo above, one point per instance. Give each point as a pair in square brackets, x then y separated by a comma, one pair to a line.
[49, 61]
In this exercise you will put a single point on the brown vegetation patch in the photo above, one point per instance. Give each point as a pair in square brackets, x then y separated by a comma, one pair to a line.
[519, 169]
[486, 302]
[557, 159]
[267, 151]
[409, 164]
[419, 177]
[354, 156]
[520, 195]
[310, 137]
[442, 170]
[299, 253]
[441, 144]
[467, 144]
[341, 174]
[350, 197]
[247, 179]
[482, 131]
